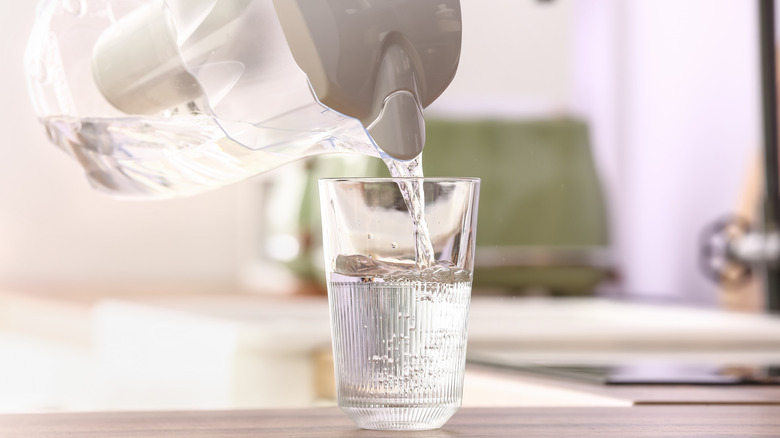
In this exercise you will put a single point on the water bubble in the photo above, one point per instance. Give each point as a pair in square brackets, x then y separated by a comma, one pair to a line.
[394, 245]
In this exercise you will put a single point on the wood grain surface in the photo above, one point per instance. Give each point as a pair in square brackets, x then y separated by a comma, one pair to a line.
[640, 421]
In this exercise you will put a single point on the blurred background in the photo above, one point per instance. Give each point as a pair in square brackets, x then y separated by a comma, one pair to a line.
[610, 135]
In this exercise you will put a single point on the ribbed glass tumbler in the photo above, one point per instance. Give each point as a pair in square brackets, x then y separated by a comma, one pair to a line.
[399, 288]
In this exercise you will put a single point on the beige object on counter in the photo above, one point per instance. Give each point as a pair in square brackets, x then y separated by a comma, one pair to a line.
[748, 297]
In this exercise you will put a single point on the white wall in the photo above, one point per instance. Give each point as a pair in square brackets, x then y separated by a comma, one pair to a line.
[515, 59]
[671, 89]
[515, 49]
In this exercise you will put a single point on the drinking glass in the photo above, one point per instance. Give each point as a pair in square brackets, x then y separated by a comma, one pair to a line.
[398, 305]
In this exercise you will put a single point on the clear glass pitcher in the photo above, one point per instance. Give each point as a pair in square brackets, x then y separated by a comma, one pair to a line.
[198, 119]
[173, 97]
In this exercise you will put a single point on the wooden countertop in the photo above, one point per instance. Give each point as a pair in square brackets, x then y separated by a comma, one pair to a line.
[641, 421]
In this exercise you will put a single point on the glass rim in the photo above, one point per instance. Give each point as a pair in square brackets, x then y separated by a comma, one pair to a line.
[437, 179]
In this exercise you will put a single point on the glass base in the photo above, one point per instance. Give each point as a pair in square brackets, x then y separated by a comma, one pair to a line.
[400, 418]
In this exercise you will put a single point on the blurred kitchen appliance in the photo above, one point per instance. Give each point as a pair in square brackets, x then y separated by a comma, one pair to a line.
[547, 231]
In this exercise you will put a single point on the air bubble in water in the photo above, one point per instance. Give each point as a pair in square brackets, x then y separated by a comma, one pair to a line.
[394, 245]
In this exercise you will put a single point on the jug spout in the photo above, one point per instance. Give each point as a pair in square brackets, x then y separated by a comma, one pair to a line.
[396, 120]
[400, 129]
[379, 62]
